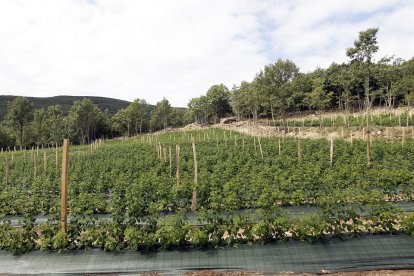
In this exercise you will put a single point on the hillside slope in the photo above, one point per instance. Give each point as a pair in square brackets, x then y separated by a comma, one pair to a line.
[113, 105]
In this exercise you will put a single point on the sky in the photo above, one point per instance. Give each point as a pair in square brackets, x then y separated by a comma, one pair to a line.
[177, 49]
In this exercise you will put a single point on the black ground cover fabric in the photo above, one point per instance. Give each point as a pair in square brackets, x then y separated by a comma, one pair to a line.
[368, 252]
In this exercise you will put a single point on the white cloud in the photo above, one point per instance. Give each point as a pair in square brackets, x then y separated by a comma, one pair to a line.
[179, 48]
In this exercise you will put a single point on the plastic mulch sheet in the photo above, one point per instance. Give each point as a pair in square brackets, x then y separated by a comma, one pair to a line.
[295, 211]
[354, 254]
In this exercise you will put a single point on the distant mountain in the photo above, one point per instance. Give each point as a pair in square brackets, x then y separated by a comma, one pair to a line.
[113, 105]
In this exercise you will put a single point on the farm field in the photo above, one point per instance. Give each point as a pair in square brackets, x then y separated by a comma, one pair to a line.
[378, 118]
[243, 185]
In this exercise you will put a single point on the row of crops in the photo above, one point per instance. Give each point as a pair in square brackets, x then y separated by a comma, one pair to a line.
[378, 120]
[135, 181]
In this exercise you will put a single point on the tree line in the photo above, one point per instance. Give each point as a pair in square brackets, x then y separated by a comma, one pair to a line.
[25, 126]
[280, 87]
[277, 89]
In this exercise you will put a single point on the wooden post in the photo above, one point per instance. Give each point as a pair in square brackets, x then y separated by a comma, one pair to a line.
[299, 150]
[57, 159]
[165, 154]
[177, 162]
[260, 147]
[403, 136]
[6, 172]
[64, 187]
[194, 198]
[368, 149]
[331, 153]
[169, 151]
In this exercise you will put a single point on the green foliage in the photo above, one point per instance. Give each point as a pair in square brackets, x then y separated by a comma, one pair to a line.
[19, 116]
[408, 225]
[211, 107]
[128, 180]
[113, 105]
[172, 231]
[161, 115]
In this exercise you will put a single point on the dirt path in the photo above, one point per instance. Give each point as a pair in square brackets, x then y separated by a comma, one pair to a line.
[246, 127]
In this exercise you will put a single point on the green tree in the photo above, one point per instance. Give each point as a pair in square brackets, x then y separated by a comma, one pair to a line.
[137, 115]
[319, 98]
[251, 98]
[40, 126]
[388, 72]
[55, 122]
[405, 85]
[19, 116]
[121, 122]
[301, 86]
[160, 116]
[218, 102]
[364, 49]
[274, 83]
[177, 117]
[6, 140]
[84, 117]
[197, 109]
[236, 102]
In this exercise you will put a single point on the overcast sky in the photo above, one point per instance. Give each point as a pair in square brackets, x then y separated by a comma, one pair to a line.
[178, 49]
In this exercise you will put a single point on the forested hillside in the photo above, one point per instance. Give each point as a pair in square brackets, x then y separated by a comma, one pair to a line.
[113, 105]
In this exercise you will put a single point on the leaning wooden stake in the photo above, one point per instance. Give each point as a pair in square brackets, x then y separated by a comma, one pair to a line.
[260, 147]
[177, 160]
[64, 188]
[194, 198]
